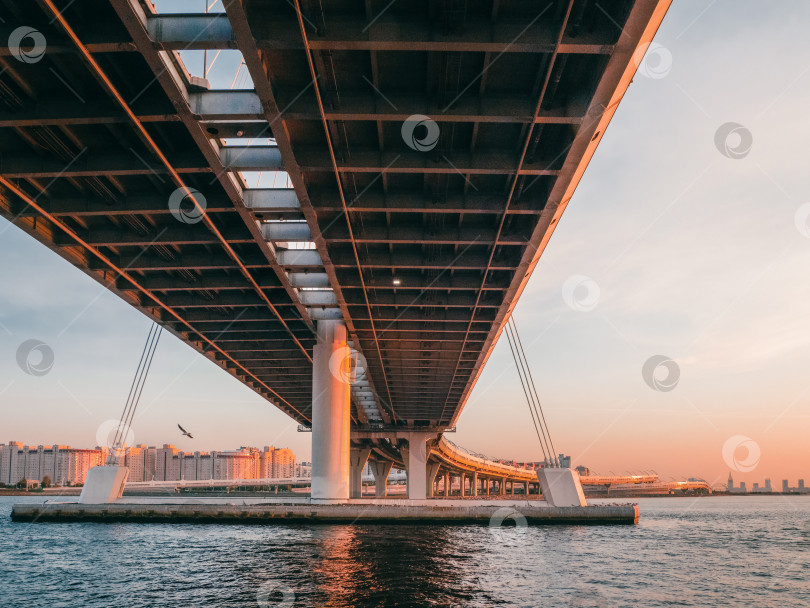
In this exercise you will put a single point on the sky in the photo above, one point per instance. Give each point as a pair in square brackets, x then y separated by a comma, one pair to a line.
[686, 239]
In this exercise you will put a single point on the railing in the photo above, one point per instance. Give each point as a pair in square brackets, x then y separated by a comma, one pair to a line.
[483, 463]
[604, 480]
[268, 481]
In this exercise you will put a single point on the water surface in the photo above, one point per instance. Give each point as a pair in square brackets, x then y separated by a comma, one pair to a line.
[714, 551]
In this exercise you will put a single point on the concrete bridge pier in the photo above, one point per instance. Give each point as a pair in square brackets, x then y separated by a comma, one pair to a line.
[357, 461]
[415, 457]
[474, 485]
[432, 472]
[381, 470]
[331, 416]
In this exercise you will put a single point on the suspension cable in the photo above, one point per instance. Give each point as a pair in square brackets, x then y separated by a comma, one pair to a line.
[135, 390]
[534, 402]
[534, 387]
[530, 392]
[144, 376]
[530, 398]
[525, 392]
[127, 404]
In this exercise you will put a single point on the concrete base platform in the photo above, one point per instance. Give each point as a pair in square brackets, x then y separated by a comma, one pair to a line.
[360, 514]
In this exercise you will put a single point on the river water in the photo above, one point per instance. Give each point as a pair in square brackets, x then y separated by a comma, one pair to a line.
[713, 551]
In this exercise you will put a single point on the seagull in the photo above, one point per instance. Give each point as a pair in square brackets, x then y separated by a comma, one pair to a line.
[185, 432]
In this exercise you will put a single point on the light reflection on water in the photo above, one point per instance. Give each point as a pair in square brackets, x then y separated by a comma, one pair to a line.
[724, 551]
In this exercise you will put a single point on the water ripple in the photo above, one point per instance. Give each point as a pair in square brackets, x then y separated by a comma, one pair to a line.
[716, 551]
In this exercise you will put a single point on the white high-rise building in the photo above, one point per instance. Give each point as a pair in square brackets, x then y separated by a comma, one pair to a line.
[62, 464]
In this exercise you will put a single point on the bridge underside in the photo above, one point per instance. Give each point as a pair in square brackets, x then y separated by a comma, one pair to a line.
[426, 151]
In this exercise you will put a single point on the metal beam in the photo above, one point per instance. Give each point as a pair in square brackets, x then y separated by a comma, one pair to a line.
[247, 158]
[228, 113]
[147, 204]
[406, 235]
[371, 161]
[67, 112]
[271, 200]
[143, 261]
[197, 31]
[227, 105]
[293, 232]
[94, 164]
[309, 279]
[195, 234]
[326, 199]
[209, 281]
[134, 18]
[299, 258]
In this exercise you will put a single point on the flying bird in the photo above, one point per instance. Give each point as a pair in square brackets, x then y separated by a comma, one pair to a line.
[185, 432]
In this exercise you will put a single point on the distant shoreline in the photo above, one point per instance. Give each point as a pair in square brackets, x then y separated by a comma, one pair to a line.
[76, 491]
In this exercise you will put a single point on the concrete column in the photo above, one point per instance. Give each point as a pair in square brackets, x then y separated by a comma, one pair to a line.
[462, 481]
[474, 485]
[447, 484]
[415, 456]
[432, 471]
[526, 488]
[381, 470]
[357, 461]
[331, 375]
[502, 486]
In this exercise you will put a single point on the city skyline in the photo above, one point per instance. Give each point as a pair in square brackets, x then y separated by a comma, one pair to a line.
[135, 457]
[66, 465]
[701, 263]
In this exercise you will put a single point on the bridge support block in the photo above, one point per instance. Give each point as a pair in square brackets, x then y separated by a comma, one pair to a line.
[561, 487]
[331, 358]
[432, 471]
[415, 456]
[104, 484]
[381, 470]
[357, 461]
